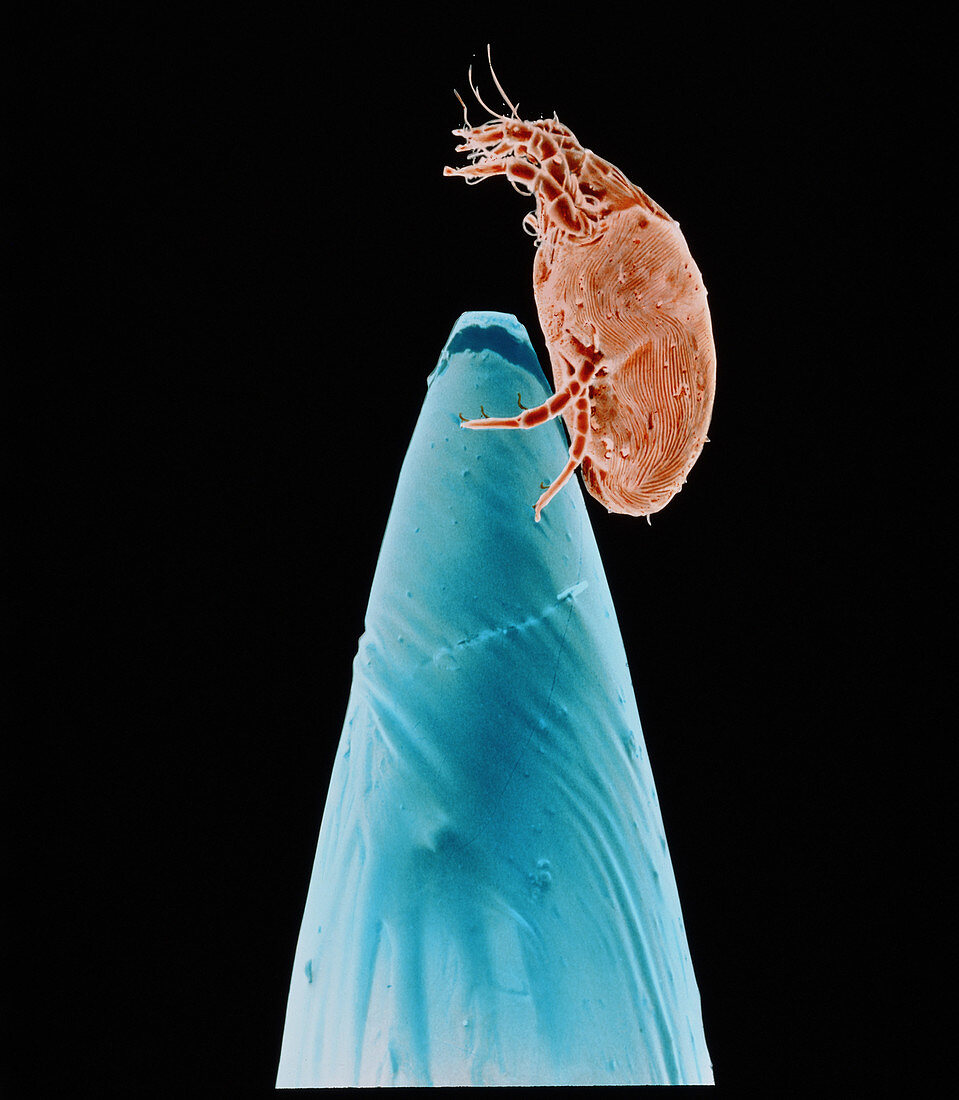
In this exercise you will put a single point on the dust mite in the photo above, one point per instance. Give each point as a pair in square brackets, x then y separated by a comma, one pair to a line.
[623, 309]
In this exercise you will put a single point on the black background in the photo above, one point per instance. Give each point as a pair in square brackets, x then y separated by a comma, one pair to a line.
[250, 262]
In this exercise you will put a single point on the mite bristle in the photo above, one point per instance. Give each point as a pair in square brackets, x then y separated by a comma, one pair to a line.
[479, 98]
[466, 121]
[506, 99]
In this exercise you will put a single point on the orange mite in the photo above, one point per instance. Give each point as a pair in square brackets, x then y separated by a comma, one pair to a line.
[622, 306]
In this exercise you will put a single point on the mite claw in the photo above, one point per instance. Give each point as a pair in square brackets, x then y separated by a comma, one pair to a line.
[519, 401]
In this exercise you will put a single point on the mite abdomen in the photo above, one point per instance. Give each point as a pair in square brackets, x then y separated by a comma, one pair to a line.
[637, 297]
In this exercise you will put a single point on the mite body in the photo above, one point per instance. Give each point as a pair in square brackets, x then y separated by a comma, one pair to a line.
[622, 306]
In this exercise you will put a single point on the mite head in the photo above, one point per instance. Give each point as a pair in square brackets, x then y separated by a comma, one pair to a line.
[502, 138]
[541, 158]
[538, 158]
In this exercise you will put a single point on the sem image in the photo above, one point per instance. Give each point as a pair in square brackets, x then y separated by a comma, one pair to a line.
[493, 901]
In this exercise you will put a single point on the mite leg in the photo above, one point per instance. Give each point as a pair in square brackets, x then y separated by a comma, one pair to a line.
[550, 184]
[531, 418]
[480, 170]
[580, 433]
